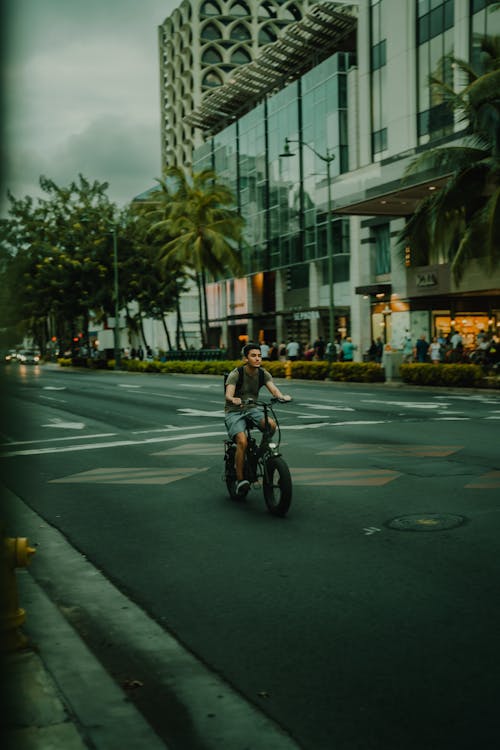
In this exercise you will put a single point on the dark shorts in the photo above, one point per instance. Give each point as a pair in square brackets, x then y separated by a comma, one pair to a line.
[236, 421]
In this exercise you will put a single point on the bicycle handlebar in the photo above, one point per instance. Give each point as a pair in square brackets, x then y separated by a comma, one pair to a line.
[272, 400]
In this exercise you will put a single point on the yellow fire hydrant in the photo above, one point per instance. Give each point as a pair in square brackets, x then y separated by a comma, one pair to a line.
[288, 370]
[15, 553]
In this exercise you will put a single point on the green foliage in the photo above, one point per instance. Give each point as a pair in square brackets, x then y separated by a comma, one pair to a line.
[463, 376]
[357, 372]
[195, 224]
[461, 222]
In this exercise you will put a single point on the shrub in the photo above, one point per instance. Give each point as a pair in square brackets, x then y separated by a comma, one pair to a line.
[459, 375]
[356, 372]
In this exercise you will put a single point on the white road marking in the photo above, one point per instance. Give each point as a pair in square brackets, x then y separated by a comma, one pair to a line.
[371, 530]
[405, 404]
[56, 422]
[128, 475]
[330, 408]
[201, 413]
[54, 387]
[61, 439]
[51, 398]
[115, 444]
[128, 385]
[451, 419]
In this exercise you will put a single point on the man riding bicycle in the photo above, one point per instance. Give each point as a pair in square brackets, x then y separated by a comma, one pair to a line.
[243, 384]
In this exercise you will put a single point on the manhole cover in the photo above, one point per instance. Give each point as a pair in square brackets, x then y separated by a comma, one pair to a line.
[426, 522]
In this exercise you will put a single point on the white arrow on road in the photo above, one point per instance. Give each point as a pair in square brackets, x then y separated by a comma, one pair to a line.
[55, 422]
[199, 413]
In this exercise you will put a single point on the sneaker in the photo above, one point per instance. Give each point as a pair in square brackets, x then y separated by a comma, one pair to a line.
[242, 487]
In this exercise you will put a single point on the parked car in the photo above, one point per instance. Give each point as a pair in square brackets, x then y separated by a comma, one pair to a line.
[11, 356]
[28, 357]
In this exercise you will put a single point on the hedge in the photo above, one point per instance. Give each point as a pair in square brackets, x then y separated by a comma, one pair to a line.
[464, 376]
[459, 375]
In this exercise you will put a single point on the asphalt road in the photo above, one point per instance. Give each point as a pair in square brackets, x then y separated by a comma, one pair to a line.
[368, 618]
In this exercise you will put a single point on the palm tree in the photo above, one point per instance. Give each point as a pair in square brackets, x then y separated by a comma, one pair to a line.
[199, 227]
[461, 222]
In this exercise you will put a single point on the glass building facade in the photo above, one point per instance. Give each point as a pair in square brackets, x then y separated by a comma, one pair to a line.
[284, 201]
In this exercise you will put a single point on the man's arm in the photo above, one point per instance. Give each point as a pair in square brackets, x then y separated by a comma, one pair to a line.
[230, 389]
[275, 391]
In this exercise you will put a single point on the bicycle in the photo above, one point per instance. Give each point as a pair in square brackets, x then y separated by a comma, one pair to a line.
[262, 462]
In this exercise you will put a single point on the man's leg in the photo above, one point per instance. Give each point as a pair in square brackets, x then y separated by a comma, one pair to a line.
[239, 460]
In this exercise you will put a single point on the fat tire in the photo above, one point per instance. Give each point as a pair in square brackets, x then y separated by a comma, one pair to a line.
[277, 486]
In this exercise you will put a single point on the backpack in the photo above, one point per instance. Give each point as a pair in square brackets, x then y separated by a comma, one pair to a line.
[240, 379]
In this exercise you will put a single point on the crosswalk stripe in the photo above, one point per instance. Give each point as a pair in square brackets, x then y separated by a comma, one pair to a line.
[491, 480]
[436, 451]
[194, 449]
[343, 477]
[147, 475]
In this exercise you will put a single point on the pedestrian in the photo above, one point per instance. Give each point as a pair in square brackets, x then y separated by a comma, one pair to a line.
[421, 349]
[264, 350]
[348, 349]
[282, 352]
[435, 351]
[292, 350]
[319, 348]
[243, 383]
[273, 352]
[331, 352]
[309, 352]
[456, 340]
[407, 347]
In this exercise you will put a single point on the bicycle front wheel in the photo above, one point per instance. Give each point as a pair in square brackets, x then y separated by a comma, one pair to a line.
[277, 486]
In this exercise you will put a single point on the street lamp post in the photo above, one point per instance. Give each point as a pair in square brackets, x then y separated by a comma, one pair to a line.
[116, 330]
[328, 158]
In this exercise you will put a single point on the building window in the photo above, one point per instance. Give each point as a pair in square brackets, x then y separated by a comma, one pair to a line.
[239, 9]
[378, 23]
[210, 32]
[210, 9]
[240, 56]
[267, 35]
[211, 79]
[211, 56]
[379, 55]
[435, 44]
[382, 239]
[240, 33]
[379, 141]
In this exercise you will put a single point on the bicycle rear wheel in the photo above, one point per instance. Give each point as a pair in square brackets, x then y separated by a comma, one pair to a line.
[230, 471]
[277, 486]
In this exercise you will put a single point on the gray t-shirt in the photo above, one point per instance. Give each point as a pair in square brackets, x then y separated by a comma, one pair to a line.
[249, 387]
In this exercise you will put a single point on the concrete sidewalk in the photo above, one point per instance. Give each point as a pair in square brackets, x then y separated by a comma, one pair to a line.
[61, 697]
[58, 695]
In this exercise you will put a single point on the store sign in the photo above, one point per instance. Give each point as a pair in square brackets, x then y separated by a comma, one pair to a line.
[426, 279]
[429, 280]
[306, 315]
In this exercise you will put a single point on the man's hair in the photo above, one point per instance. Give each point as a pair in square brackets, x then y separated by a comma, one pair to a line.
[248, 348]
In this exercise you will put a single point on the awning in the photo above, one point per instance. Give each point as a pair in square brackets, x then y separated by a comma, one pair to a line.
[323, 30]
[386, 200]
[371, 290]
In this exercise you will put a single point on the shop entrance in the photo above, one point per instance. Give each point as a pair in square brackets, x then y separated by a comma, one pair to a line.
[468, 325]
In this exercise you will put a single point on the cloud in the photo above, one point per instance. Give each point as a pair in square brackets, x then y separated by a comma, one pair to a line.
[82, 94]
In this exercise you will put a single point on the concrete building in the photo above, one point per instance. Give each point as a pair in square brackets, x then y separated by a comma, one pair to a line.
[202, 44]
[347, 85]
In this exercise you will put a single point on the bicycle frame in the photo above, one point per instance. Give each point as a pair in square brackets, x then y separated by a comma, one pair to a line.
[264, 462]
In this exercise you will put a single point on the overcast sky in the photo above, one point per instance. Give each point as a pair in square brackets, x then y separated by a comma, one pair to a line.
[81, 88]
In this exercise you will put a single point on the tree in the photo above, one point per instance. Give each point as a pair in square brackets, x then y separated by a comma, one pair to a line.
[461, 222]
[61, 262]
[195, 221]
